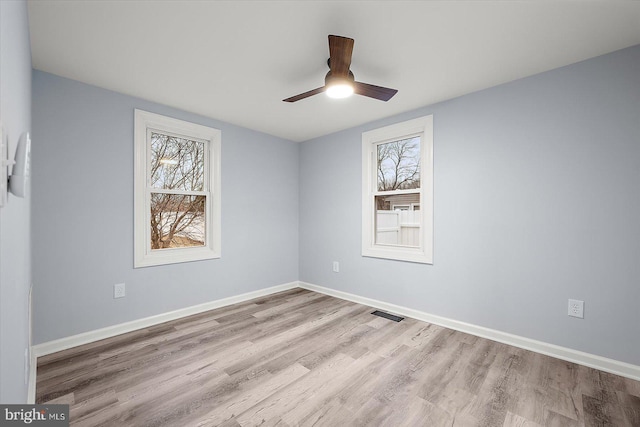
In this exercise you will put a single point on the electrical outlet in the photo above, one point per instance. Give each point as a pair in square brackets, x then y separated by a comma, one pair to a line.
[576, 308]
[118, 290]
[336, 267]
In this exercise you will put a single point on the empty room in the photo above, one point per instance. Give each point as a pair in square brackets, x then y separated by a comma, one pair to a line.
[320, 213]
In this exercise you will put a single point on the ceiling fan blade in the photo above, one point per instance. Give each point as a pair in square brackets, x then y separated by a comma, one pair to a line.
[373, 91]
[305, 95]
[340, 51]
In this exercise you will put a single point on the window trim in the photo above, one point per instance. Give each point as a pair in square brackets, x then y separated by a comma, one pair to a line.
[422, 126]
[143, 255]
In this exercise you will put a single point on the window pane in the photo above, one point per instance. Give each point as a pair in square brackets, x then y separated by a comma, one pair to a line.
[399, 165]
[398, 220]
[176, 163]
[177, 220]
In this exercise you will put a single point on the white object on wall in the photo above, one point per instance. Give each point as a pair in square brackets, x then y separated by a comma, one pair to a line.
[18, 181]
[4, 165]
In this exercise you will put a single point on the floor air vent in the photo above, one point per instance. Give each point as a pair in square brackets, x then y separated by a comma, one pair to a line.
[387, 316]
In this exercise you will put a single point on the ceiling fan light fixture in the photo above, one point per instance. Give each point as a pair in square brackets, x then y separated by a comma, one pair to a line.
[340, 89]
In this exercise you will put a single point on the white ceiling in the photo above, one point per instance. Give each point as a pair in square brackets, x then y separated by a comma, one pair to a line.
[236, 60]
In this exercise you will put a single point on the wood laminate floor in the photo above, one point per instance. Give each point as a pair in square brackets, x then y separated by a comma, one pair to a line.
[303, 358]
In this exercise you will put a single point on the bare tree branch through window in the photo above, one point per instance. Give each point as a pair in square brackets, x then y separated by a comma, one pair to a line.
[177, 215]
[398, 165]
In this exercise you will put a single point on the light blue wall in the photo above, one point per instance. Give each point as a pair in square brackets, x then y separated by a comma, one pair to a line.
[83, 214]
[15, 236]
[537, 200]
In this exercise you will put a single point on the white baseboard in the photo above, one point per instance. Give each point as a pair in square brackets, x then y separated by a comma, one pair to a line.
[591, 360]
[31, 386]
[33, 360]
[111, 331]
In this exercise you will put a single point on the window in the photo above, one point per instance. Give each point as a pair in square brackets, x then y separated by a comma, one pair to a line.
[177, 191]
[397, 191]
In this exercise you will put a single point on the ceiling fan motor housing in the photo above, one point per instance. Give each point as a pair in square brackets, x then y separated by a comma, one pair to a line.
[330, 79]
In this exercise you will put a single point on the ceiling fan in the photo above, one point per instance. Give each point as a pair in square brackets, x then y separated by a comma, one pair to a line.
[339, 81]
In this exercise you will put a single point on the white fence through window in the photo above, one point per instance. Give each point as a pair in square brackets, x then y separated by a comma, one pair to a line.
[400, 227]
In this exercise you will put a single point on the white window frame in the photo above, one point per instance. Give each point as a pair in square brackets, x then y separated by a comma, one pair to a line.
[423, 127]
[143, 255]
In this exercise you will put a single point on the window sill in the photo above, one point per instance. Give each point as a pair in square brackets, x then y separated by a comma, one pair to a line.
[174, 256]
[398, 254]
